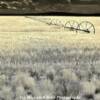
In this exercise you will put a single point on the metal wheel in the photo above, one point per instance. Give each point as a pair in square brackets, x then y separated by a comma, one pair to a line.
[86, 27]
[53, 22]
[48, 21]
[59, 23]
[71, 25]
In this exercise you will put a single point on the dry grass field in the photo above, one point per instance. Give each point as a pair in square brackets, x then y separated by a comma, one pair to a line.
[37, 59]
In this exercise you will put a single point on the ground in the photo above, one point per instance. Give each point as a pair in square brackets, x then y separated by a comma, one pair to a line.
[37, 59]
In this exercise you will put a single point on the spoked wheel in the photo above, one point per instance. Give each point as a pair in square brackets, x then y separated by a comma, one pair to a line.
[71, 25]
[86, 27]
[54, 22]
[48, 21]
[59, 23]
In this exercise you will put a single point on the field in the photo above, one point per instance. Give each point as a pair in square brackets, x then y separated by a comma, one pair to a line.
[37, 59]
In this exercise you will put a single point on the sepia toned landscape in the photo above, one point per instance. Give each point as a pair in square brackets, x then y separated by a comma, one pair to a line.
[40, 57]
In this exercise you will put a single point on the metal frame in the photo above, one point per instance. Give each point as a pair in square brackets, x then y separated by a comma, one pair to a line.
[72, 25]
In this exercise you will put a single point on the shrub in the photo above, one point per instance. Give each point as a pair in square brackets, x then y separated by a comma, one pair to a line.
[96, 82]
[68, 75]
[88, 88]
[73, 88]
[20, 92]
[28, 83]
[46, 88]
[6, 93]
[51, 73]
[67, 83]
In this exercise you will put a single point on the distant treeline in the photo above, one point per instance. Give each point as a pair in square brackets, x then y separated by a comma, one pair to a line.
[51, 1]
[67, 1]
[55, 1]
